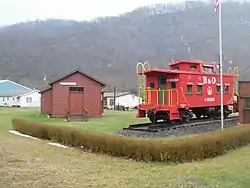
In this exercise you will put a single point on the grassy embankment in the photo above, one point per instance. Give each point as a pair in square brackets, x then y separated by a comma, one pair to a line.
[31, 163]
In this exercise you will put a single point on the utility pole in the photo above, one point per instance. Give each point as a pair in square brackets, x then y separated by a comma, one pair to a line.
[114, 97]
[221, 68]
[45, 78]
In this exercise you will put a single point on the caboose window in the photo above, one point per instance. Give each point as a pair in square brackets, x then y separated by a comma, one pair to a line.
[193, 67]
[163, 80]
[226, 89]
[218, 89]
[173, 84]
[199, 89]
[208, 70]
[152, 85]
[189, 89]
[176, 68]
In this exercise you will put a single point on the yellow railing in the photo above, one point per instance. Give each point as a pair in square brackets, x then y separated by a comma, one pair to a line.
[166, 99]
[141, 80]
[235, 70]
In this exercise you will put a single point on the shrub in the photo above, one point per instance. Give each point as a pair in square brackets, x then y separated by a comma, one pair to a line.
[199, 147]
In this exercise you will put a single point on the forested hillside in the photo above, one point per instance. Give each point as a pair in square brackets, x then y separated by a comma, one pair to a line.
[109, 48]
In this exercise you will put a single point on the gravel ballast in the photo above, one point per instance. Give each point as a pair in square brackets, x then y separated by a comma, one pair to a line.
[184, 130]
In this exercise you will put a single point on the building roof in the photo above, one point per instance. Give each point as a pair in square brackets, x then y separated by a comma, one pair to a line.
[118, 94]
[77, 71]
[45, 88]
[244, 81]
[9, 88]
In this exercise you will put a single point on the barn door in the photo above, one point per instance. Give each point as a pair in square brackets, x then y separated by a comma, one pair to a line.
[76, 100]
[162, 89]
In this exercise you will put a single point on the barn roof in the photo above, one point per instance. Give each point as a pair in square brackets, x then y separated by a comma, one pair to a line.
[77, 71]
[46, 88]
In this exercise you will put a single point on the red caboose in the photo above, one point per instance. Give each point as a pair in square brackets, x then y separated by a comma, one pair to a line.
[188, 88]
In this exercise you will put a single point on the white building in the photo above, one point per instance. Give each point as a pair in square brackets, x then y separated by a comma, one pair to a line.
[13, 94]
[126, 99]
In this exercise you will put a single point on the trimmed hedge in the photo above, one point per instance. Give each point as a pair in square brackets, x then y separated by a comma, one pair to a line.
[180, 150]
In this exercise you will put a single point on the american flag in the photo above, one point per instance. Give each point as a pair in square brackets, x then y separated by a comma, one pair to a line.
[216, 6]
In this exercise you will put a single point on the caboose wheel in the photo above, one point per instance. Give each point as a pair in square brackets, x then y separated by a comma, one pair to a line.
[152, 117]
[187, 119]
[198, 115]
[186, 116]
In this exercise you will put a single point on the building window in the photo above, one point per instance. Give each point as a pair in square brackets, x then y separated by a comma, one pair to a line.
[173, 84]
[200, 89]
[247, 103]
[189, 89]
[105, 102]
[111, 102]
[226, 89]
[76, 89]
[29, 99]
[218, 89]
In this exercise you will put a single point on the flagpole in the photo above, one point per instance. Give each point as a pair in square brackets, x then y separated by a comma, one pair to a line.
[221, 69]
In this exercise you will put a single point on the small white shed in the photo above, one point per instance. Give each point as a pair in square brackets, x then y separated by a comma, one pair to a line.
[126, 99]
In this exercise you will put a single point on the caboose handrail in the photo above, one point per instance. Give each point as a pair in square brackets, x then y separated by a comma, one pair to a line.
[169, 96]
[141, 84]
[143, 65]
[235, 70]
[182, 92]
[232, 98]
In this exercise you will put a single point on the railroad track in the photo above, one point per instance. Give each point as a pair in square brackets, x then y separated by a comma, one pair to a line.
[163, 126]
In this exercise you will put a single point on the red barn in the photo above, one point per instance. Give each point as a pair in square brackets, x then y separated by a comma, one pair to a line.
[72, 95]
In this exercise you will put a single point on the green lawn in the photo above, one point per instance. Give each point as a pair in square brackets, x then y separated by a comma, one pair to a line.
[32, 163]
[110, 121]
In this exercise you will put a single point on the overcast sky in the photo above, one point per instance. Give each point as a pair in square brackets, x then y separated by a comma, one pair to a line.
[13, 11]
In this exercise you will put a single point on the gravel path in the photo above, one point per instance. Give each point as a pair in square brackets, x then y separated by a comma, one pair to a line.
[182, 131]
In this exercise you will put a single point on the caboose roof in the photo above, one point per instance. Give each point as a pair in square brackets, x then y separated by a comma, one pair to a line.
[168, 71]
[175, 72]
[193, 62]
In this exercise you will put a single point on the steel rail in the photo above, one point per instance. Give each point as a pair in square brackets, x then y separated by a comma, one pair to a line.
[148, 127]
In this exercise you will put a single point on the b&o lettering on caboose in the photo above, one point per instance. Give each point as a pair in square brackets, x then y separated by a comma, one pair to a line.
[207, 80]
